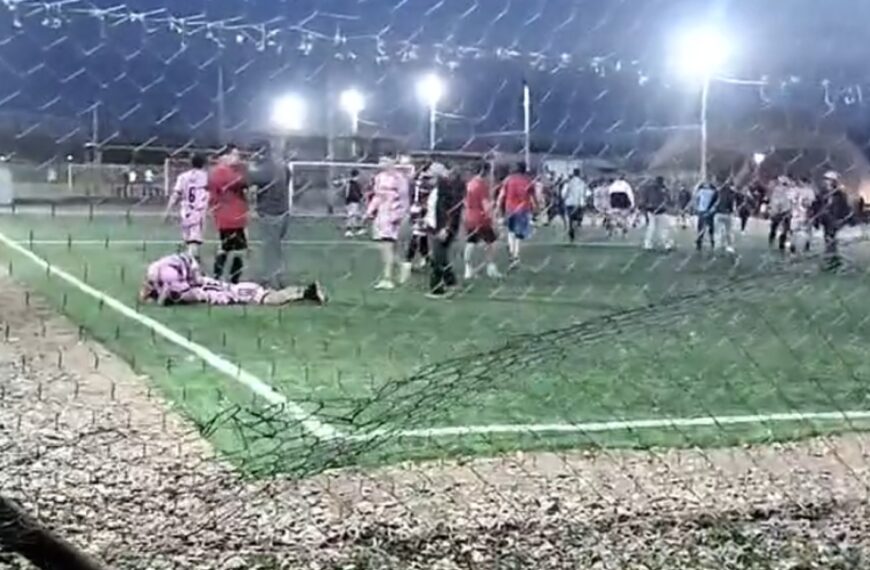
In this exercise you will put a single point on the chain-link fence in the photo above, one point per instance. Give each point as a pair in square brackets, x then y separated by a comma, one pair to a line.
[584, 287]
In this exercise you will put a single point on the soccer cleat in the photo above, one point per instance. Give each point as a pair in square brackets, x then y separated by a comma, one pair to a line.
[405, 272]
[315, 292]
[421, 263]
[348, 233]
[438, 296]
[492, 272]
[385, 285]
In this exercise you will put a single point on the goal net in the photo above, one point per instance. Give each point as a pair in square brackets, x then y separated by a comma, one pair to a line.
[317, 188]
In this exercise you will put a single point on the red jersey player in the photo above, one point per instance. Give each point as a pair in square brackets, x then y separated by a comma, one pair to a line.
[517, 199]
[226, 187]
[479, 226]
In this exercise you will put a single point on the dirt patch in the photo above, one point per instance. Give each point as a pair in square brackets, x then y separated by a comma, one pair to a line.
[93, 453]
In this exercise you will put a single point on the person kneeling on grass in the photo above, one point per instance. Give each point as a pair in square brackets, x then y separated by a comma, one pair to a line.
[177, 280]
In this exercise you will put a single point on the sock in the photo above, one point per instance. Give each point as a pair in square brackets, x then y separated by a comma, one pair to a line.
[193, 250]
[236, 269]
[387, 255]
[219, 262]
[467, 255]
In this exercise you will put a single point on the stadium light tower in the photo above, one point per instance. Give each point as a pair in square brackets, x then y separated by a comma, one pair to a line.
[288, 113]
[701, 54]
[353, 102]
[430, 90]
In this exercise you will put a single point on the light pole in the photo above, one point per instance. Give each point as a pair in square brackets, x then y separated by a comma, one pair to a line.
[430, 89]
[701, 53]
[527, 124]
[353, 102]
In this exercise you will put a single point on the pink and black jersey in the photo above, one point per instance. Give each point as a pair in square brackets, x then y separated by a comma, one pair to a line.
[172, 276]
[191, 190]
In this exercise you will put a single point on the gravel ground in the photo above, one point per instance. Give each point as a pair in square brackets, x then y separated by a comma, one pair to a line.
[88, 450]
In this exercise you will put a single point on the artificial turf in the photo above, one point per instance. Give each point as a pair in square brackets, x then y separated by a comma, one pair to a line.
[579, 333]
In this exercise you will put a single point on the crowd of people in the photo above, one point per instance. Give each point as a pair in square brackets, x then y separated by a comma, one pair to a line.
[794, 208]
[442, 202]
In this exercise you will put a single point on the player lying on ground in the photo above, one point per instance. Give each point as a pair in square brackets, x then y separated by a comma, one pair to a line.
[177, 280]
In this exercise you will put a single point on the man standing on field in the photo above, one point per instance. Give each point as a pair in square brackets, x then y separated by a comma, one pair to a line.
[574, 193]
[479, 227]
[655, 198]
[226, 187]
[517, 200]
[191, 195]
[269, 175]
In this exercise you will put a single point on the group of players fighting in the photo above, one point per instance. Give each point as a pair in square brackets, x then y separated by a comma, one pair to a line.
[437, 202]
[222, 190]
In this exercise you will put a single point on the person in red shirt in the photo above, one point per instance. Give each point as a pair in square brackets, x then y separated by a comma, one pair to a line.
[479, 227]
[226, 187]
[517, 201]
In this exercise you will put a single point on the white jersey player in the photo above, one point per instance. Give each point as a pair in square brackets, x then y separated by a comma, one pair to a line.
[191, 195]
[803, 196]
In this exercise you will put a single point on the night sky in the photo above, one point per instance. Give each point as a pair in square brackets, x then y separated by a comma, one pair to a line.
[598, 68]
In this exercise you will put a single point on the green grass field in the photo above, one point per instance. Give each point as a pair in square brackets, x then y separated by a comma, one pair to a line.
[579, 334]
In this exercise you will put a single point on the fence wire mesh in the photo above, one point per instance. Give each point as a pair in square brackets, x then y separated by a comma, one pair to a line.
[657, 359]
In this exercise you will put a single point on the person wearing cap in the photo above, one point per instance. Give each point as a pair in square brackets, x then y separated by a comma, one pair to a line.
[388, 207]
[833, 213]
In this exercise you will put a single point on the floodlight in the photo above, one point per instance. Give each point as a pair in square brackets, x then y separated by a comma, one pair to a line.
[430, 89]
[288, 112]
[701, 52]
[352, 101]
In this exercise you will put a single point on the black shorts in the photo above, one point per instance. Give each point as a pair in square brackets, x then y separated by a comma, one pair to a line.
[485, 234]
[233, 240]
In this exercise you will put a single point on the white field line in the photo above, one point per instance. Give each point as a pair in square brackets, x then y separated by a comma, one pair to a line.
[324, 243]
[609, 426]
[314, 426]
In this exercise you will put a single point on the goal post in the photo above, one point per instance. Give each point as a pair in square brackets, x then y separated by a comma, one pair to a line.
[316, 186]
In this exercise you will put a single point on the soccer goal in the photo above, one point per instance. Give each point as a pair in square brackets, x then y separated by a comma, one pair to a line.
[317, 188]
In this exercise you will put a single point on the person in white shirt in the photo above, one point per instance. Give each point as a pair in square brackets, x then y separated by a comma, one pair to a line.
[574, 193]
[803, 197]
[621, 203]
[780, 211]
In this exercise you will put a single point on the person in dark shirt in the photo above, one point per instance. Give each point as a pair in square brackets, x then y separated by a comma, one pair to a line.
[724, 208]
[745, 207]
[269, 175]
[353, 197]
[655, 197]
[444, 215]
[684, 203]
[834, 213]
